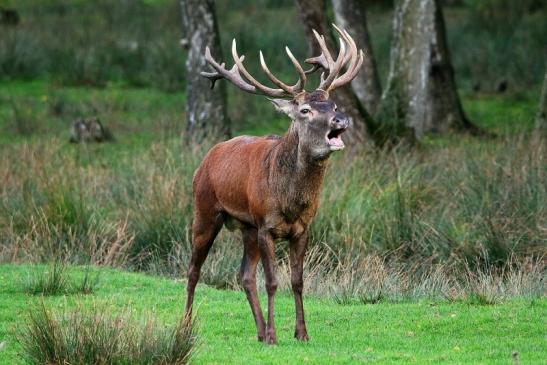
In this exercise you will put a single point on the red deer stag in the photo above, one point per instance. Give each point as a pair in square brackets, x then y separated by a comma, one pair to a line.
[268, 187]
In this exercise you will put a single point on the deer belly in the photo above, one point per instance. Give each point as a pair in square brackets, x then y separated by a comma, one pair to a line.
[232, 223]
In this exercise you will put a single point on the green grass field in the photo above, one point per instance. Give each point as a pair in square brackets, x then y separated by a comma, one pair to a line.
[415, 332]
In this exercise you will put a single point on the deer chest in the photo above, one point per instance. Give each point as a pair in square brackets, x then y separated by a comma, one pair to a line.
[292, 224]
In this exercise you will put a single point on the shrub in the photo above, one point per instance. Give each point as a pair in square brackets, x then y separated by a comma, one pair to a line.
[96, 336]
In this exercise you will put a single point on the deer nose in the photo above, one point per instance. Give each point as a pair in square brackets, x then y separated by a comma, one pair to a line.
[340, 121]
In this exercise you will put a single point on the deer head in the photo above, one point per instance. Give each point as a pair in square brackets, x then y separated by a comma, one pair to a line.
[314, 115]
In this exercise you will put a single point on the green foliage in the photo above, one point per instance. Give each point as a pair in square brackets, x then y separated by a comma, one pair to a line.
[503, 114]
[80, 43]
[496, 12]
[94, 336]
[495, 41]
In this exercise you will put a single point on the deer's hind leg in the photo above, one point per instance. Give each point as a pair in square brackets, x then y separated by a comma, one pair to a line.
[204, 231]
[247, 276]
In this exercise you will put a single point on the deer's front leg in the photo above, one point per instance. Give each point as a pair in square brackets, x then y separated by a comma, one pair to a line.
[297, 252]
[247, 276]
[266, 245]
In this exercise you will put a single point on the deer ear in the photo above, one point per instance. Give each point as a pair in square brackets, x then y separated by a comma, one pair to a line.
[283, 105]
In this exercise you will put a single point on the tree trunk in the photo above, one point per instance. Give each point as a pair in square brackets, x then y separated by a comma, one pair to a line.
[312, 14]
[541, 118]
[421, 94]
[351, 15]
[206, 113]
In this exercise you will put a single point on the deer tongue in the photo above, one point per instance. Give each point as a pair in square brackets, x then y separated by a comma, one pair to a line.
[336, 142]
[334, 139]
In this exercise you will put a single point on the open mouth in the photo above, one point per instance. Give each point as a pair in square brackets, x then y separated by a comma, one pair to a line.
[334, 139]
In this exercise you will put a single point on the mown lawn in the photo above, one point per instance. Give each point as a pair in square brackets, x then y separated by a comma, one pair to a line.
[422, 332]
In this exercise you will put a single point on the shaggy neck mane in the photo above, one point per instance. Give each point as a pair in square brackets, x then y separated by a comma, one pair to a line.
[295, 175]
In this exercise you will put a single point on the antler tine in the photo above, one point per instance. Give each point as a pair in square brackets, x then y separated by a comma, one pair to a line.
[324, 48]
[351, 53]
[335, 69]
[355, 61]
[321, 61]
[212, 76]
[272, 78]
[264, 89]
[296, 88]
[221, 72]
[348, 56]
[324, 60]
[349, 75]
[317, 62]
[299, 87]
[354, 53]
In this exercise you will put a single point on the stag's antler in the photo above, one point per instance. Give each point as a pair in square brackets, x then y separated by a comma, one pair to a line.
[247, 82]
[353, 60]
[348, 56]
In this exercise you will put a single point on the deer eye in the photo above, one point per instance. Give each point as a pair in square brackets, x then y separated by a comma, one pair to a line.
[335, 108]
[305, 111]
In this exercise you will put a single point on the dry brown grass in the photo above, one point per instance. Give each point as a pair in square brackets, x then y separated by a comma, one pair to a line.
[393, 225]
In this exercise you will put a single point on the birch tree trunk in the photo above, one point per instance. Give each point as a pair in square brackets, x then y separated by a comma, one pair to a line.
[312, 14]
[351, 15]
[206, 112]
[421, 94]
[541, 118]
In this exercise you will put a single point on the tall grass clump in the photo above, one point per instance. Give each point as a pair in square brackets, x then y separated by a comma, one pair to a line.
[96, 336]
[467, 201]
[51, 281]
[158, 195]
[492, 285]
[353, 277]
[55, 280]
